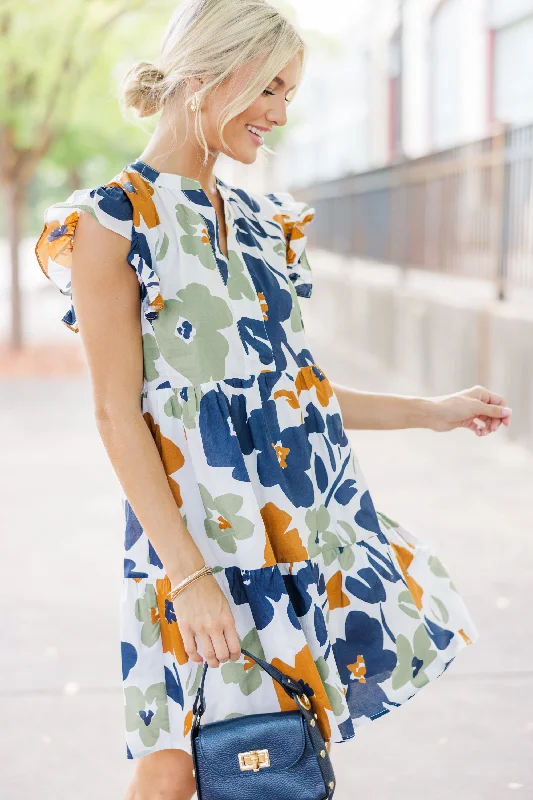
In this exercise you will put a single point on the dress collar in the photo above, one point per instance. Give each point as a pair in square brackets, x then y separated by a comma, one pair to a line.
[170, 179]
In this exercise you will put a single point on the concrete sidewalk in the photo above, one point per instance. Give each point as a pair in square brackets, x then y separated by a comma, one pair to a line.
[469, 735]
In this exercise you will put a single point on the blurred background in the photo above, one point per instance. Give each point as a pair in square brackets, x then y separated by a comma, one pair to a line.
[412, 138]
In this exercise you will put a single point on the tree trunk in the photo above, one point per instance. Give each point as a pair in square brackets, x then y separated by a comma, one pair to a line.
[15, 195]
[74, 178]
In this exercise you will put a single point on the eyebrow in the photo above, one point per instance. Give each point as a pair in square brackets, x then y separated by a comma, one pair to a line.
[281, 83]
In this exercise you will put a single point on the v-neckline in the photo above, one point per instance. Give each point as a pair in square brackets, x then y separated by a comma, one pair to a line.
[173, 180]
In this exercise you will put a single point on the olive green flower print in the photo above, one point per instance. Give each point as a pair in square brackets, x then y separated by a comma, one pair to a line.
[223, 523]
[322, 540]
[335, 696]
[439, 570]
[195, 241]
[238, 284]
[387, 521]
[247, 675]
[147, 613]
[187, 331]
[147, 712]
[185, 410]
[150, 355]
[317, 520]
[162, 247]
[413, 661]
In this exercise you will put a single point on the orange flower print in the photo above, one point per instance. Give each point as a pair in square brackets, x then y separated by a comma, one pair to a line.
[157, 303]
[465, 636]
[140, 193]
[205, 236]
[281, 454]
[248, 663]
[336, 597]
[263, 303]
[308, 377]
[290, 397]
[358, 669]
[282, 545]
[171, 456]
[171, 639]
[292, 231]
[405, 558]
[305, 670]
[187, 722]
[56, 242]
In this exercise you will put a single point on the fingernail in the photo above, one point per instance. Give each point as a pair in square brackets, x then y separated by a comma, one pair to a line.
[506, 411]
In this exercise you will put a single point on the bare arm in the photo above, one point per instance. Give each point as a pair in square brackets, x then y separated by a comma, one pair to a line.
[373, 411]
[477, 409]
[105, 291]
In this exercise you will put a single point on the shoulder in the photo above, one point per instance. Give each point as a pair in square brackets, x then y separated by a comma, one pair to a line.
[124, 205]
[278, 206]
[109, 204]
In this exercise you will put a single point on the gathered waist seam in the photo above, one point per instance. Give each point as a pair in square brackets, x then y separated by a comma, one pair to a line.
[171, 383]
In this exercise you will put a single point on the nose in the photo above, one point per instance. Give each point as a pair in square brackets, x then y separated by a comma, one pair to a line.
[277, 114]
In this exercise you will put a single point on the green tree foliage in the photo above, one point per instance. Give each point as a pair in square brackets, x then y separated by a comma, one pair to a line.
[60, 66]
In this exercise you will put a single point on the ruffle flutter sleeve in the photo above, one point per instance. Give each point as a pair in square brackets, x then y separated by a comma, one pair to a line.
[115, 206]
[294, 216]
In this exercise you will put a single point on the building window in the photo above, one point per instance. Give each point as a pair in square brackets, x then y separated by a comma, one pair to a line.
[446, 68]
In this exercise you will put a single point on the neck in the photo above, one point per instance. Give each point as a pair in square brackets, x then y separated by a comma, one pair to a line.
[170, 149]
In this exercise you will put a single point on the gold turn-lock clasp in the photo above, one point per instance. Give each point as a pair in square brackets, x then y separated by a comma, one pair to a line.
[254, 760]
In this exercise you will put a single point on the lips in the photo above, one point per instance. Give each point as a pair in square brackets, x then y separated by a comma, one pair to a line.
[257, 134]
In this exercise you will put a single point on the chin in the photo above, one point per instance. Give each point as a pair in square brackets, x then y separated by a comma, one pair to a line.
[243, 155]
[249, 158]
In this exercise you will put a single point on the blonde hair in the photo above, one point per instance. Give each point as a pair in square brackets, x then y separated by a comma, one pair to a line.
[211, 39]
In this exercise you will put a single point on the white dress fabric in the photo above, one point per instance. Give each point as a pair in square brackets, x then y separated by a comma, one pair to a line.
[321, 584]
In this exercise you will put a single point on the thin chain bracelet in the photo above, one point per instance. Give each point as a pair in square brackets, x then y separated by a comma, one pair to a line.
[205, 570]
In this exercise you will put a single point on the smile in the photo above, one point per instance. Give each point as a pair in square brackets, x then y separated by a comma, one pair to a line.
[256, 134]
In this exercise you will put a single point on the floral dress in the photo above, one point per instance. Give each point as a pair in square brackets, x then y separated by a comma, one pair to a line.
[321, 584]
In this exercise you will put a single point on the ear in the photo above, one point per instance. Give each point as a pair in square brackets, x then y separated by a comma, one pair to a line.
[194, 84]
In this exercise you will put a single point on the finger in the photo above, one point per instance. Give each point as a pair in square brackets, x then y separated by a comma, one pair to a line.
[492, 423]
[233, 641]
[220, 645]
[495, 399]
[189, 644]
[208, 651]
[476, 424]
[487, 396]
[489, 410]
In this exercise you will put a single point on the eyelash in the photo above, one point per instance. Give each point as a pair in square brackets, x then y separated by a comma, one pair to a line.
[267, 91]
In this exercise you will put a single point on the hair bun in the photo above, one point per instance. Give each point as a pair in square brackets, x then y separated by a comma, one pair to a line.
[142, 88]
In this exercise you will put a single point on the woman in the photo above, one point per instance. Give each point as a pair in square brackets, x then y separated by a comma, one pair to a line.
[228, 440]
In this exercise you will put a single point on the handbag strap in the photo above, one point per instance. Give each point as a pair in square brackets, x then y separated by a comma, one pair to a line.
[291, 686]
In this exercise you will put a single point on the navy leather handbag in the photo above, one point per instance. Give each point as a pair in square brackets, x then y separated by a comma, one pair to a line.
[279, 755]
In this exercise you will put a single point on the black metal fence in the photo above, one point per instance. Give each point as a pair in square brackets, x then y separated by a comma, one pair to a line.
[464, 211]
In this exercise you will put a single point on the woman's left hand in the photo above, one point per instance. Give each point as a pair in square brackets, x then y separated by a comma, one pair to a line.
[462, 409]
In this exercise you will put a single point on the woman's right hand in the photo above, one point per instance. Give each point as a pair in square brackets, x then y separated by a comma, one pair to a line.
[203, 612]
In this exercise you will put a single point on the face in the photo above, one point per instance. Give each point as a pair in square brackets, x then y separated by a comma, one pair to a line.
[245, 133]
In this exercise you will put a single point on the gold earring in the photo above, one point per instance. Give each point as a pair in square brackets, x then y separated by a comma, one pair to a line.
[194, 103]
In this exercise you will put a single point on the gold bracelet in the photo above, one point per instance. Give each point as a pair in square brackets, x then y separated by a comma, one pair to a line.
[205, 570]
[181, 585]
[175, 592]
[196, 577]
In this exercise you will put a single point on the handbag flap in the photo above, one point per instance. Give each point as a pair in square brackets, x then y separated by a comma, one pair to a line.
[282, 733]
